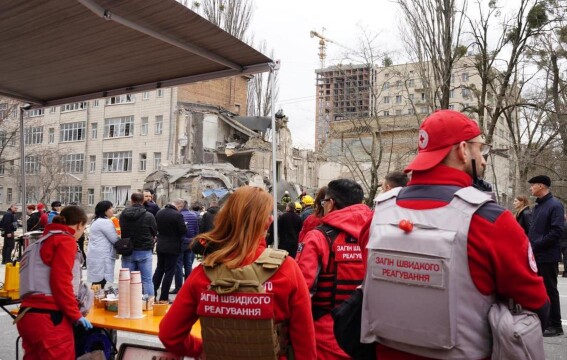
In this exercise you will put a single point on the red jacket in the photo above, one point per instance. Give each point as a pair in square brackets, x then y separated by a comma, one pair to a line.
[313, 255]
[497, 250]
[309, 224]
[59, 253]
[292, 303]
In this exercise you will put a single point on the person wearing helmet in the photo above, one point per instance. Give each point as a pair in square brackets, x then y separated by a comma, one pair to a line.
[307, 202]
[298, 208]
[286, 198]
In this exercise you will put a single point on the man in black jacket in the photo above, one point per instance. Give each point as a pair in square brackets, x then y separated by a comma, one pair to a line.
[140, 226]
[149, 203]
[9, 225]
[171, 229]
[207, 221]
[546, 231]
[289, 226]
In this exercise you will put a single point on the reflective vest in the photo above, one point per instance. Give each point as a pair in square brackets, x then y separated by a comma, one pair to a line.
[343, 274]
[237, 314]
[419, 296]
[35, 274]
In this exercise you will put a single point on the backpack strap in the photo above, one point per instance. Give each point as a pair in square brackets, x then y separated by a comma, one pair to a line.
[249, 278]
[331, 234]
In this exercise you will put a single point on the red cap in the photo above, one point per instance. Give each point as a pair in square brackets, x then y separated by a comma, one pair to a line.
[437, 134]
[40, 206]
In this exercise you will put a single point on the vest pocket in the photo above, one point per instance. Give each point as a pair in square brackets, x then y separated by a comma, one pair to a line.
[407, 292]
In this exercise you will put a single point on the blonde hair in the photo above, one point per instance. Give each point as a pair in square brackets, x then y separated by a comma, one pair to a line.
[239, 226]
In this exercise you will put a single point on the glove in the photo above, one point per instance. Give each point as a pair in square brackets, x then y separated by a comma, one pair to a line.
[85, 323]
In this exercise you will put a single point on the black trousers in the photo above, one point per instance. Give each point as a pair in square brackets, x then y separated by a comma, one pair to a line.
[7, 249]
[564, 252]
[165, 270]
[549, 271]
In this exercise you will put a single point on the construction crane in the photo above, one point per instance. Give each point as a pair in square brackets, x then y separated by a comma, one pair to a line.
[323, 40]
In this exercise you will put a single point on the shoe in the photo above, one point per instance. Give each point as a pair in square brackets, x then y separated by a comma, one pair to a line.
[174, 291]
[551, 331]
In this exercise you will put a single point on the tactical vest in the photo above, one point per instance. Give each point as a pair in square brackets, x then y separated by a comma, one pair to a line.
[237, 314]
[35, 274]
[343, 274]
[419, 296]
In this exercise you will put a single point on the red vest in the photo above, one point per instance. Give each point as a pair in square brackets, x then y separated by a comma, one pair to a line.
[343, 274]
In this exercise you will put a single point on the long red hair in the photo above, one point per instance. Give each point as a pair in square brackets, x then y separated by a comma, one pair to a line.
[239, 226]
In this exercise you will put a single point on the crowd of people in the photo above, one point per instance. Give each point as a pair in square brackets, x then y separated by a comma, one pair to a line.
[417, 274]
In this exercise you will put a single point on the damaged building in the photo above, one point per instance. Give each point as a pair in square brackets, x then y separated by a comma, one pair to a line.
[218, 151]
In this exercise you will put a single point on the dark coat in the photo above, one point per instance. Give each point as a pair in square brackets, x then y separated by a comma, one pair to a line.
[564, 238]
[207, 222]
[547, 229]
[152, 207]
[171, 230]
[139, 225]
[192, 222]
[9, 223]
[32, 224]
[524, 218]
[289, 226]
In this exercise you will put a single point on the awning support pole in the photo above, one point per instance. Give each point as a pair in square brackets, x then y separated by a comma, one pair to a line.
[23, 167]
[273, 68]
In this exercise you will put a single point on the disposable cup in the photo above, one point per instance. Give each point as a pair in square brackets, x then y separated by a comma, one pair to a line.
[124, 274]
[135, 277]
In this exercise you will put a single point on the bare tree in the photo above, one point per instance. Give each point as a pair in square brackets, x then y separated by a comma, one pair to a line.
[432, 35]
[46, 172]
[260, 97]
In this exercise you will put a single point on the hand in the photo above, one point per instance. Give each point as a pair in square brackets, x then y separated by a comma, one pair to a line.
[9, 235]
[85, 323]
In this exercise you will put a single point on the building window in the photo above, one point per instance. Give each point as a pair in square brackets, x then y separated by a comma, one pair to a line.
[51, 136]
[1, 194]
[90, 197]
[451, 107]
[451, 94]
[398, 99]
[121, 99]
[9, 197]
[94, 131]
[35, 112]
[410, 96]
[32, 164]
[143, 159]
[119, 161]
[410, 83]
[33, 135]
[118, 195]
[411, 111]
[399, 84]
[144, 127]
[159, 93]
[422, 96]
[398, 112]
[69, 194]
[157, 161]
[73, 131]
[2, 169]
[386, 113]
[119, 127]
[466, 92]
[3, 110]
[146, 95]
[386, 99]
[423, 110]
[386, 86]
[74, 163]
[465, 77]
[452, 78]
[92, 163]
[159, 124]
[95, 103]
[74, 106]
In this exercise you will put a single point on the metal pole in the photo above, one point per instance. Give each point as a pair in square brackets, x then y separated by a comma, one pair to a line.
[22, 167]
[273, 68]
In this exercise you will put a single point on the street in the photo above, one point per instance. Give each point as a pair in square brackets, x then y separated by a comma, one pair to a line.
[555, 348]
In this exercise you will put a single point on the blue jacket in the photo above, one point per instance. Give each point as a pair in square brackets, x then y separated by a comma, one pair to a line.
[192, 222]
[546, 230]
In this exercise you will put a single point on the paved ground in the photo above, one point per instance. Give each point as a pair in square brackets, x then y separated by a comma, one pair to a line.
[555, 348]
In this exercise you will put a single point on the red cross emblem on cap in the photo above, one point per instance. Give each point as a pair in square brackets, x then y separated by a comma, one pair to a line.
[423, 139]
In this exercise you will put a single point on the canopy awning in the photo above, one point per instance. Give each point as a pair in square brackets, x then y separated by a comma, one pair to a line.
[61, 51]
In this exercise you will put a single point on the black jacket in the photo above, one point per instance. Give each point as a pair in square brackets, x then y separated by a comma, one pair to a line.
[524, 218]
[171, 230]
[289, 226]
[547, 229]
[32, 224]
[151, 207]
[139, 225]
[9, 223]
[207, 222]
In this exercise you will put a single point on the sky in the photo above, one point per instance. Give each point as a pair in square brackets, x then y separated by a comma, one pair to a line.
[285, 26]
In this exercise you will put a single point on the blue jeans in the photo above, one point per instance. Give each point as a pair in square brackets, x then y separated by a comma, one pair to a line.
[141, 260]
[185, 261]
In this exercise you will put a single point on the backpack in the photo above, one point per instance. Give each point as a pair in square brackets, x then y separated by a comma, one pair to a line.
[237, 314]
